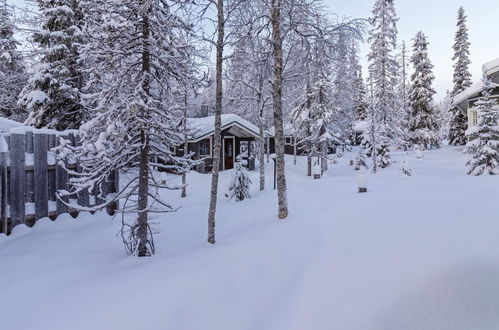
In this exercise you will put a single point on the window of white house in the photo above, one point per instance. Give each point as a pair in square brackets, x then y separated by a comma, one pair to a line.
[204, 147]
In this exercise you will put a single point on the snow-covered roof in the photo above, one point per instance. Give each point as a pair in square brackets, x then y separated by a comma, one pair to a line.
[492, 66]
[6, 125]
[468, 93]
[475, 89]
[205, 126]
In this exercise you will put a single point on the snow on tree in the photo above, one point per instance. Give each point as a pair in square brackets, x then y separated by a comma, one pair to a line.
[423, 125]
[344, 89]
[462, 80]
[240, 183]
[360, 96]
[52, 94]
[360, 160]
[383, 68]
[248, 74]
[140, 49]
[375, 143]
[403, 99]
[313, 120]
[12, 74]
[485, 141]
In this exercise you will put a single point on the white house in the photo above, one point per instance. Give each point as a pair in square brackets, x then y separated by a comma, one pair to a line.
[466, 100]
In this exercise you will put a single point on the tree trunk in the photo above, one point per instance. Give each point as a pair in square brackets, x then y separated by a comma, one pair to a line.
[261, 156]
[186, 146]
[143, 197]
[294, 151]
[218, 122]
[142, 226]
[278, 120]
[324, 158]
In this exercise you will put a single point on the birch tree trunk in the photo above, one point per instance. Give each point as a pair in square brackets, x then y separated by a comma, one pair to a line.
[294, 150]
[278, 120]
[143, 197]
[186, 146]
[261, 156]
[218, 122]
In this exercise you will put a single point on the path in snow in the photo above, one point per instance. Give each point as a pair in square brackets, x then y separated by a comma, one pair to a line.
[418, 252]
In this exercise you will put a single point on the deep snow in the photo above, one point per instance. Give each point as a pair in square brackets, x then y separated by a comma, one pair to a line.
[419, 252]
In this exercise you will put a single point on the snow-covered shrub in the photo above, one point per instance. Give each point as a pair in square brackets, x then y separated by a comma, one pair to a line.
[405, 168]
[240, 184]
[418, 152]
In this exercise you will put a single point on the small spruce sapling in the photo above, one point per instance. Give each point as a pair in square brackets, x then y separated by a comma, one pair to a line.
[360, 160]
[240, 184]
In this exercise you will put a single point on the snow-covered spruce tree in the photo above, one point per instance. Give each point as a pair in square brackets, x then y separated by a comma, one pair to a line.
[462, 80]
[383, 68]
[343, 86]
[12, 74]
[486, 143]
[360, 96]
[143, 59]
[403, 100]
[313, 120]
[240, 183]
[52, 95]
[423, 122]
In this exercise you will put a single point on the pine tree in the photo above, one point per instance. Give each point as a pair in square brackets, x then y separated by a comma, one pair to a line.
[52, 95]
[240, 183]
[12, 74]
[423, 123]
[137, 120]
[462, 80]
[383, 69]
[486, 143]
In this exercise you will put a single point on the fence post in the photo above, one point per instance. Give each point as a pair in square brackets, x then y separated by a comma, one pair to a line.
[61, 183]
[30, 178]
[52, 186]
[41, 175]
[17, 179]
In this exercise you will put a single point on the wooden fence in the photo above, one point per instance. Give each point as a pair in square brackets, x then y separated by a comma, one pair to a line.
[30, 178]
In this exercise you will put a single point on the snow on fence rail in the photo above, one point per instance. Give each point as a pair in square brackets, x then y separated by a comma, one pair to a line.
[30, 178]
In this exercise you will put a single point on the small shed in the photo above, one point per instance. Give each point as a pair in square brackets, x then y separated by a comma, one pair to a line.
[238, 138]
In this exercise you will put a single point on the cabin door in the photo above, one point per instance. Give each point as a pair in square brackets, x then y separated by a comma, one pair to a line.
[228, 158]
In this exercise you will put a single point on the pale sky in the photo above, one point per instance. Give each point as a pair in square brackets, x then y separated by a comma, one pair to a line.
[437, 19]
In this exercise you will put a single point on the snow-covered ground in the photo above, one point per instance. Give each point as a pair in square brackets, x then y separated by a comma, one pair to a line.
[418, 252]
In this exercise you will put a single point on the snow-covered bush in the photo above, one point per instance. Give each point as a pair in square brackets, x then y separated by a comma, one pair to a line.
[418, 152]
[240, 183]
[405, 168]
[360, 160]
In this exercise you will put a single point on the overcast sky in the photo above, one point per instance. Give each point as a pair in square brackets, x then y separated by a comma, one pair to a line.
[437, 19]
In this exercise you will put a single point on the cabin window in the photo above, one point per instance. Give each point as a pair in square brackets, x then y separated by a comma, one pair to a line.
[173, 150]
[204, 147]
[474, 118]
[288, 140]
